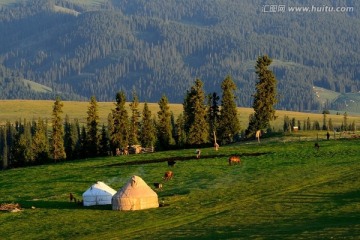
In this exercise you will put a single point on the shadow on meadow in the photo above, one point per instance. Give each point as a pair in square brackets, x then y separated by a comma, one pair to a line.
[43, 204]
[187, 158]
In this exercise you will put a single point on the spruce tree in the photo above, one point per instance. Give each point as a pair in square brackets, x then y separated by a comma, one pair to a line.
[104, 147]
[180, 131]
[229, 125]
[83, 153]
[148, 131]
[164, 131]
[57, 148]
[39, 145]
[67, 137]
[195, 114]
[4, 148]
[265, 96]
[134, 120]
[213, 114]
[120, 131]
[92, 125]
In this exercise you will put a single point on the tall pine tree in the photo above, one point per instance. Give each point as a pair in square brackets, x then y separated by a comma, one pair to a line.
[148, 131]
[229, 125]
[92, 125]
[39, 144]
[120, 129]
[57, 147]
[195, 115]
[265, 96]
[213, 115]
[164, 131]
[134, 120]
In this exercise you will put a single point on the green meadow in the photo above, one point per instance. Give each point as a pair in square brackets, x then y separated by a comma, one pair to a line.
[282, 190]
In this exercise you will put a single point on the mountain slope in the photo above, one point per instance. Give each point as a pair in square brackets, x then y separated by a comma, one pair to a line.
[86, 48]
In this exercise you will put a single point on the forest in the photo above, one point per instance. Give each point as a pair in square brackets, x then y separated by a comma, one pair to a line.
[202, 123]
[79, 50]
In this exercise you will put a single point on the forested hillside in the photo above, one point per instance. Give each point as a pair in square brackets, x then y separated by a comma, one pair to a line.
[83, 48]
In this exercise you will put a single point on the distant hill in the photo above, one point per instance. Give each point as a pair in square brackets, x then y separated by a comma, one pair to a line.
[81, 48]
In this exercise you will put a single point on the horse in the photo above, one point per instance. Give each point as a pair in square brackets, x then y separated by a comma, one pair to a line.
[234, 160]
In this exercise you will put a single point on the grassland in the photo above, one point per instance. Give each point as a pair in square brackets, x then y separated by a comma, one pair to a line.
[13, 110]
[282, 190]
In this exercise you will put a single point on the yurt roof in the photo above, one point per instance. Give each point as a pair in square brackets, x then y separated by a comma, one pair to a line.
[136, 187]
[100, 187]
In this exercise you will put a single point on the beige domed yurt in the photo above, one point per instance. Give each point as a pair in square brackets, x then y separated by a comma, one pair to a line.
[98, 194]
[135, 195]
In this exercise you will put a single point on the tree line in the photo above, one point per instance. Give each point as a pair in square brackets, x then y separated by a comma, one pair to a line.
[206, 120]
[202, 122]
[38, 141]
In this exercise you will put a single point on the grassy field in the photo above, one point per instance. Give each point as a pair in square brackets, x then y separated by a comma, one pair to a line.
[282, 190]
[13, 110]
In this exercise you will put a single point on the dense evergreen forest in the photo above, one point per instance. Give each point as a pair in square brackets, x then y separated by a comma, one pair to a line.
[96, 48]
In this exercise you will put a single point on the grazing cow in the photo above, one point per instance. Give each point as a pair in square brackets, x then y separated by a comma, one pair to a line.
[234, 160]
[168, 175]
[125, 151]
[171, 163]
[198, 153]
[317, 146]
[71, 196]
[158, 185]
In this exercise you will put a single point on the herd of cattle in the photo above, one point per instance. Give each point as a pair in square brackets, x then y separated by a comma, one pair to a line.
[233, 159]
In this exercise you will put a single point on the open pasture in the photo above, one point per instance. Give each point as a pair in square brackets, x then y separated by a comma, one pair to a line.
[281, 190]
[14, 110]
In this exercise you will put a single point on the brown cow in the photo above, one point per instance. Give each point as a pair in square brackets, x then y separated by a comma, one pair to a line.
[168, 175]
[71, 196]
[234, 160]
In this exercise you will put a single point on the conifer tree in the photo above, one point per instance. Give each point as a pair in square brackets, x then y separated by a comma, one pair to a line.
[92, 125]
[83, 153]
[134, 120]
[120, 132]
[164, 131]
[104, 147]
[265, 96]
[213, 114]
[4, 148]
[180, 131]
[71, 138]
[229, 125]
[57, 148]
[195, 115]
[148, 131]
[39, 145]
[110, 129]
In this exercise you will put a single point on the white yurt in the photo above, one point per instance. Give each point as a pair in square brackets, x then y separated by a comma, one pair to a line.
[98, 194]
[135, 195]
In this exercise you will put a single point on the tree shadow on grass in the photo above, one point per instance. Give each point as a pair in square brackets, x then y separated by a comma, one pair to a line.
[185, 158]
[41, 204]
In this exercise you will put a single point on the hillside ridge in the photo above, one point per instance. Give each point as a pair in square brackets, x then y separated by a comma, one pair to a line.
[84, 48]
